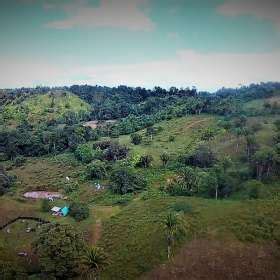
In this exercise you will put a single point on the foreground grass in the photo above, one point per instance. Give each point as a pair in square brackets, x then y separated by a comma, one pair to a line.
[135, 240]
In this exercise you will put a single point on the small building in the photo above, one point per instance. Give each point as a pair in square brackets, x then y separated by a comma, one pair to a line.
[64, 211]
[57, 211]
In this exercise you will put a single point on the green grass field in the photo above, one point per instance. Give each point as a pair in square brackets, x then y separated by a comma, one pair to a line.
[130, 229]
[44, 107]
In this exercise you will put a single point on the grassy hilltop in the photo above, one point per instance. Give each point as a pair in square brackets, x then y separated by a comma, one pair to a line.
[45, 107]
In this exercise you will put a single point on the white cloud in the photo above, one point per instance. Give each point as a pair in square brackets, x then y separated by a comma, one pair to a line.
[207, 71]
[126, 14]
[187, 68]
[262, 9]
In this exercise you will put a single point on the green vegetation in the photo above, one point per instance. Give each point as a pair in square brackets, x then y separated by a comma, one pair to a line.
[46, 107]
[160, 168]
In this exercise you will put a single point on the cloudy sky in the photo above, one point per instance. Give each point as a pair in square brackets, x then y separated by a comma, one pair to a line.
[208, 44]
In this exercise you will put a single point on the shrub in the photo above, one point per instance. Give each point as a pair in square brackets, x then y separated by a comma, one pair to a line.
[202, 157]
[102, 145]
[19, 161]
[96, 170]
[71, 187]
[136, 138]
[182, 206]
[115, 152]
[126, 180]
[164, 158]
[254, 189]
[171, 138]
[45, 205]
[79, 211]
[145, 161]
[84, 153]
[5, 181]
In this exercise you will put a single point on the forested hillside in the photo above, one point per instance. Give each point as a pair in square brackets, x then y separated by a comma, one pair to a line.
[145, 173]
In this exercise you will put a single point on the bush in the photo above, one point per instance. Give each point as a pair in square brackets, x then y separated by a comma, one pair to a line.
[79, 211]
[71, 187]
[136, 138]
[182, 206]
[5, 181]
[202, 157]
[84, 153]
[171, 138]
[19, 161]
[102, 145]
[254, 189]
[165, 157]
[96, 170]
[145, 161]
[126, 180]
[115, 152]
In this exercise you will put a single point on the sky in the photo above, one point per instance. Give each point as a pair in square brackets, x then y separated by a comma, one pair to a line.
[182, 43]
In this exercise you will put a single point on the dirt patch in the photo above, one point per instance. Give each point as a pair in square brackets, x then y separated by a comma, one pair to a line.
[219, 260]
[97, 232]
[42, 195]
[91, 124]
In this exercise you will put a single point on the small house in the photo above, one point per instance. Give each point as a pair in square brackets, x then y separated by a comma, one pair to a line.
[64, 211]
[57, 211]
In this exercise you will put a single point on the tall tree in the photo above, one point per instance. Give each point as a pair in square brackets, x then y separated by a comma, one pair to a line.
[173, 228]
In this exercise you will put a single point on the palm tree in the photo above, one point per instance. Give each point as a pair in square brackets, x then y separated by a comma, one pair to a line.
[94, 262]
[173, 227]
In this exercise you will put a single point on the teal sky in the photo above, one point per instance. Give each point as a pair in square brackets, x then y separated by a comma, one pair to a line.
[208, 44]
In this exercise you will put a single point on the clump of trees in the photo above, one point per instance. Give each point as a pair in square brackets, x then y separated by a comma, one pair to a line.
[54, 238]
[96, 170]
[126, 180]
[74, 259]
[84, 153]
[136, 138]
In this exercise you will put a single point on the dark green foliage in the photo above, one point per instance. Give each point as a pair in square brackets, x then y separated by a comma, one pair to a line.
[202, 157]
[165, 157]
[171, 138]
[5, 181]
[182, 206]
[254, 189]
[184, 184]
[145, 161]
[71, 187]
[208, 134]
[277, 125]
[126, 180]
[45, 205]
[60, 249]
[263, 162]
[136, 138]
[19, 161]
[96, 170]
[115, 152]
[79, 211]
[84, 153]
[10, 270]
[102, 145]
[94, 261]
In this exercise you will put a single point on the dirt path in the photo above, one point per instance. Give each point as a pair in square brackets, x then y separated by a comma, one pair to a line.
[97, 232]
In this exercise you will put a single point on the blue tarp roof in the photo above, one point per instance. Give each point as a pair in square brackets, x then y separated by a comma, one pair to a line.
[65, 210]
